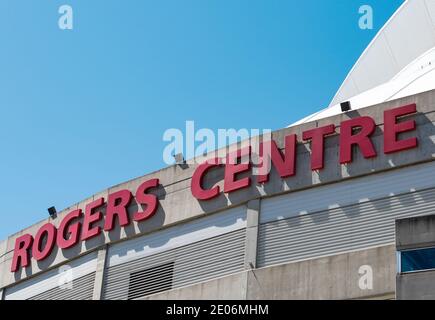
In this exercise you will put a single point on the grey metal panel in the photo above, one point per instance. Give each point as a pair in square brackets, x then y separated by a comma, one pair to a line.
[51, 279]
[351, 227]
[177, 236]
[193, 263]
[80, 289]
[348, 192]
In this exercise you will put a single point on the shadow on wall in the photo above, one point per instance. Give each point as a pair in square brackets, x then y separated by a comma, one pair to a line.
[115, 235]
[358, 210]
[304, 178]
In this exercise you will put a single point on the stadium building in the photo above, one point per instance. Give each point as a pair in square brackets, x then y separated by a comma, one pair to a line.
[345, 212]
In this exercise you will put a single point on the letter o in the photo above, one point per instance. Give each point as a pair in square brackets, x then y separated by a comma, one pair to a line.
[49, 231]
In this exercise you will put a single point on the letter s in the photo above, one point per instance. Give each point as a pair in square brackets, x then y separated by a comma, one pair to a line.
[150, 200]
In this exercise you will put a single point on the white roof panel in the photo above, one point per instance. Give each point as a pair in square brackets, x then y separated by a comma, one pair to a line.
[398, 62]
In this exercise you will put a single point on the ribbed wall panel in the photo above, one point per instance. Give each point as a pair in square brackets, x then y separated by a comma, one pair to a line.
[177, 236]
[351, 227]
[348, 192]
[81, 289]
[193, 263]
[79, 272]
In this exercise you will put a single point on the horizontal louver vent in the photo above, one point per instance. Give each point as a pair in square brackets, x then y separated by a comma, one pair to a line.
[351, 227]
[79, 289]
[192, 263]
[151, 280]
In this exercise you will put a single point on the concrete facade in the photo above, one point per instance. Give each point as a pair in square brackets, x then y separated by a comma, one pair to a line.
[415, 233]
[99, 274]
[416, 286]
[177, 205]
[253, 215]
[226, 288]
[332, 277]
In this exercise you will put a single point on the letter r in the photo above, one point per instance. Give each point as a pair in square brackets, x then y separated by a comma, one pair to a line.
[21, 252]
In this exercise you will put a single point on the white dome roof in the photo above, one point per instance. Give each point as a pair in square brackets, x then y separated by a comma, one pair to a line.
[399, 62]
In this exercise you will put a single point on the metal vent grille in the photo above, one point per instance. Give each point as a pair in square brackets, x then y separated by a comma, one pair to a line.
[192, 263]
[352, 227]
[151, 280]
[79, 289]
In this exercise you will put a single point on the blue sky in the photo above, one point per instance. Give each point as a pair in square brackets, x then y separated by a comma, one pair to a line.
[85, 109]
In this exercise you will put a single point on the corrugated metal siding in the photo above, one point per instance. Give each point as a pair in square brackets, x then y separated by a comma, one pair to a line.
[81, 289]
[178, 236]
[198, 250]
[79, 272]
[348, 192]
[192, 263]
[145, 282]
[341, 229]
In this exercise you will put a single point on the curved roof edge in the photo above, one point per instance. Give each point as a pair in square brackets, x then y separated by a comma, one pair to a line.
[392, 49]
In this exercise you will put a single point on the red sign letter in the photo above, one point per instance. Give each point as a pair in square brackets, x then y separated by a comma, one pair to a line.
[232, 169]
[62, 241]
[317, 137]
[150, 200]
[21, 252]
[285, 165]
[348, 139]
[91, 217]
[49, 231]
[117, 204]
[392, 129]
[196, 183]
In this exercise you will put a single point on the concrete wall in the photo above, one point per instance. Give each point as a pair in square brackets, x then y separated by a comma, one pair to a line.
[178, 205]
[418, 232]
[232, 287]
[413, 233]
[416, 286]
[332, 277]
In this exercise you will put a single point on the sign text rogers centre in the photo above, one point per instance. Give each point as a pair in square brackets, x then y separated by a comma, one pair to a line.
[355, 133]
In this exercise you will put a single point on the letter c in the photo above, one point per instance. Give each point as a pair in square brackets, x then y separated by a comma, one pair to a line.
[196, 183]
